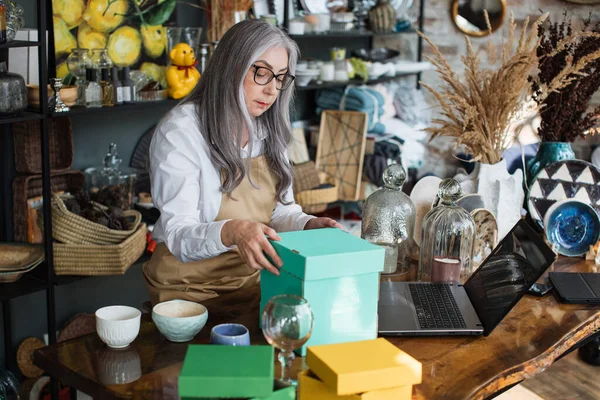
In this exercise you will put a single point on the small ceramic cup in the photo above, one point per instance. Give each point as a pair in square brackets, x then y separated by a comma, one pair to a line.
[118, 326]
[230, 334]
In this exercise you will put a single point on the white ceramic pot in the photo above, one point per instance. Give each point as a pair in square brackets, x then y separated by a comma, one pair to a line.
[118, 326]
[502, 192]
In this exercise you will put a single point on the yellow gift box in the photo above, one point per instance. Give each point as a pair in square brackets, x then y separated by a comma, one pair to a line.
[364, 366]
[311, 388]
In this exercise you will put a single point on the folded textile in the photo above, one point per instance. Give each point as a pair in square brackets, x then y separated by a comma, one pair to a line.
[354, 99]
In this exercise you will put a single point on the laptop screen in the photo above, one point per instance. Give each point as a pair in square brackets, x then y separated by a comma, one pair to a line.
[508, 272]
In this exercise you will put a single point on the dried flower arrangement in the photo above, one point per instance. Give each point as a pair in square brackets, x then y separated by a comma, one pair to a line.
[479, 110]
[563, 113]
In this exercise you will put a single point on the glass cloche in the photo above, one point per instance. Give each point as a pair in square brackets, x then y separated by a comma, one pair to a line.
[447, 238]
[389, 221]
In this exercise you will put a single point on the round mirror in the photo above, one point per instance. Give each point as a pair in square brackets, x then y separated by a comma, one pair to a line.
[468, 15]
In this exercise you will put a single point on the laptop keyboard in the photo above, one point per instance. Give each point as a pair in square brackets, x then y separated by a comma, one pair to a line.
[436, 307]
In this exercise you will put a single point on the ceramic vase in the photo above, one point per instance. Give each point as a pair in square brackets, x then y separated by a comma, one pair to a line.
[502, 193]
[548, 153]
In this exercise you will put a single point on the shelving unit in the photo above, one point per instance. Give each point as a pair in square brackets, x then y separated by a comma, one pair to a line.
[43, 277]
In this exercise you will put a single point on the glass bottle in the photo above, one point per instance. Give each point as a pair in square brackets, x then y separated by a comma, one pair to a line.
[78, 62]
[118, 89]
[112, 161]
[203, 57]
[447, 236]
[2, 22]
[108, 99]
[389, 221]
[127, 87]
[93, 91]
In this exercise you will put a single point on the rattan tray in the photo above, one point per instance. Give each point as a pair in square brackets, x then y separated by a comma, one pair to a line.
[91, 259]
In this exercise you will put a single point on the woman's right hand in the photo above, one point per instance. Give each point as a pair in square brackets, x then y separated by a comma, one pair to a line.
[249, 237]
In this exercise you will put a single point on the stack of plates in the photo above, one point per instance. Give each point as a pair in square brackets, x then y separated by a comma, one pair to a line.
[17, 259]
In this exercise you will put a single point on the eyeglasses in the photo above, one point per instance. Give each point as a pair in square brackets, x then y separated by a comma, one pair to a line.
[263, 75]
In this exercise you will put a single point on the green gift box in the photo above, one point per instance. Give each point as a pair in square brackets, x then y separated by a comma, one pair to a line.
[338, 273]
[226, 371]
[288, 393]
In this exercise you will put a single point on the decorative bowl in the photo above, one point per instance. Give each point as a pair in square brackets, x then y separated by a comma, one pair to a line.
[572, 227]
[118, 326]
[304, 77]
[68, 94]
[179, 320]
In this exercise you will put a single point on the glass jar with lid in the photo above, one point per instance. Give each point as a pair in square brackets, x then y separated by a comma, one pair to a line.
[101, 59]
[447, 236]
[389, 221]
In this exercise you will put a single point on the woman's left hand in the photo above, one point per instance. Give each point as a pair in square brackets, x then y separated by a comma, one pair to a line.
[322, 222]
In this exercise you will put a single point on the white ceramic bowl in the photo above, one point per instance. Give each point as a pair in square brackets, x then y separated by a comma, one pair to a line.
[304, 77]
[118, 326]
[179, 320]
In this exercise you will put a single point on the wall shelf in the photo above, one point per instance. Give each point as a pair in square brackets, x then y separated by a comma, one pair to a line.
[349, 34]
[27, 284]
[356, 82]
[23, 116]
[19, 43]
[124, 107]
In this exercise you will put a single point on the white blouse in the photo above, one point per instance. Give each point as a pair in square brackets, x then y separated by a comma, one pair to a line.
[186, 189]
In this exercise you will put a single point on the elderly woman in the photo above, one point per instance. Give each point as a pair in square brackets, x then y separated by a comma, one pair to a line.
[219, 171]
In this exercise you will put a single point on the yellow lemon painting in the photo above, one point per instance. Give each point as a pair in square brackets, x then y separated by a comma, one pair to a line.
[132, 31]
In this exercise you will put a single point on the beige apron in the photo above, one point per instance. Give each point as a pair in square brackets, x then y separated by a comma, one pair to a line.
[167, 278]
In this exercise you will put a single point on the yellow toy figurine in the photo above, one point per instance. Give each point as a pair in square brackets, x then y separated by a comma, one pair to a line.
[182, 75]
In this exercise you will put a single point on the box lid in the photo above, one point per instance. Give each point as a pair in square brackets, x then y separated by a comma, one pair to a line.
[327, 253]
[357, 367]
[226, 371]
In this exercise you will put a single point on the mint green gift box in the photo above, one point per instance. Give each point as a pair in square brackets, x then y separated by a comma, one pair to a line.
[338, 273]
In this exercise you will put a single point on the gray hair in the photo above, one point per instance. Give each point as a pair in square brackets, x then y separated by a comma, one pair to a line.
[221, 107]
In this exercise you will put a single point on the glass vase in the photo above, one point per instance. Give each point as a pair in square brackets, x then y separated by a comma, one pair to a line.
[447, 239]
[548, 153]
[389, 221]
[100, 59]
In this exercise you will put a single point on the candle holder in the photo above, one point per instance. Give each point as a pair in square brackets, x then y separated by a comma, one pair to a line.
[56, 103]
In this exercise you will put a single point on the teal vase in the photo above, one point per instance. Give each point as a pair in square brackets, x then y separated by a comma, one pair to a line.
[548, 153]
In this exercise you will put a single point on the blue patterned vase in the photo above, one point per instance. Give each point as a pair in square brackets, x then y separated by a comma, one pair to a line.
[548, 153]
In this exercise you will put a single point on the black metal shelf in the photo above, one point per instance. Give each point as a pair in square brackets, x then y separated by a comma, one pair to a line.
[19, 43]
[350, 34]
[27, 284]
[125, 107]
[23, 116]
[357, 82]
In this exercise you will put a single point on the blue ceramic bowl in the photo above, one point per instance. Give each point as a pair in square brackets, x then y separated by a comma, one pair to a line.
[179, 320]
[230, 335]
[572, 227]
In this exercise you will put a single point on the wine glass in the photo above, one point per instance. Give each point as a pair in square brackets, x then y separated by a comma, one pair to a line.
[287, 322]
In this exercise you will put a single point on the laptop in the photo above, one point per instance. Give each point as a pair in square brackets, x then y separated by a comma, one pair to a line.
[478, 306]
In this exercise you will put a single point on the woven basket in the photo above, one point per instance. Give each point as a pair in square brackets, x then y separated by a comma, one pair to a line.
[28, 150]
[315, 201]
[68, 227]
[90, 259]
[26, 187]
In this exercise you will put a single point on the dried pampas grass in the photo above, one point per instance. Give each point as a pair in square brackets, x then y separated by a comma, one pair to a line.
[478, 109]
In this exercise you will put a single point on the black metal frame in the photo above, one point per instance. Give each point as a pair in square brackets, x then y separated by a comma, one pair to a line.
[42, 115]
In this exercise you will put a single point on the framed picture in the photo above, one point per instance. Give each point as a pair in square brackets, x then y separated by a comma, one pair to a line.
[133, 32]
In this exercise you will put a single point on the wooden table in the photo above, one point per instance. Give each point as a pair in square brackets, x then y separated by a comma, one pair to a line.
[535, 333]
